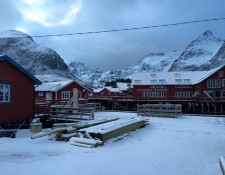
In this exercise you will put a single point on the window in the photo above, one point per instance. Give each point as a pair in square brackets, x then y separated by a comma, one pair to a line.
[153, 82]
[223, 83]
[178, 81]
[154, 94]
[213, 83]
[162, 81]
[177, 75]
[5, 92]
[153, 76]
[137, 81]
[65, 95]
[184, 94]
[40, 94]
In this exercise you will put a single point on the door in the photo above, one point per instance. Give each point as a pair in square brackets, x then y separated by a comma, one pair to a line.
[48, 96]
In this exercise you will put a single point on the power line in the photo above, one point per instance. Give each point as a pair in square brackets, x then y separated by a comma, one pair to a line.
[128, 29]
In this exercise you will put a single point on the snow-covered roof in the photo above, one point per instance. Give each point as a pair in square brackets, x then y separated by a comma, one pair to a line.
[111, 89]
[122, 86]
[171, 78]
[97, 90]
[209, 73]
[53, 86]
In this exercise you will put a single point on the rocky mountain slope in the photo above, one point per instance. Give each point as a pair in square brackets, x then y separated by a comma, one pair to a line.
[203, 53]
[198, 53]
[84, 72]
[38, 60]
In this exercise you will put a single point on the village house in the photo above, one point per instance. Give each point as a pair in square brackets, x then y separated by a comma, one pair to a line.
[60, 91]
[198, 91]
[120, 91]
[16, 92]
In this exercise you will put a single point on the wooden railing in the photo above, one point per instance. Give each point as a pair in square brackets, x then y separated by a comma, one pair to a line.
[42, 107]
[58, 112]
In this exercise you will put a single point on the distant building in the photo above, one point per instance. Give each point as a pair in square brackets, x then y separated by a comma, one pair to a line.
[16, 92]
[197, 91]
[60, 91]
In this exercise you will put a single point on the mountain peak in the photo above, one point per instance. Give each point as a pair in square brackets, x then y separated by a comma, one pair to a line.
[207, 33]
[13, 34]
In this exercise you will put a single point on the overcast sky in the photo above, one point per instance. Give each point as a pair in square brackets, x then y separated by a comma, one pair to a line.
[117, 49]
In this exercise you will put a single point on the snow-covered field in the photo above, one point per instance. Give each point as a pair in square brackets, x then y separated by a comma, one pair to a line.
[188, 145]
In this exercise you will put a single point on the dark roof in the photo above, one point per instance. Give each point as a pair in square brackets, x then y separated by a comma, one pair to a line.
[6, 58]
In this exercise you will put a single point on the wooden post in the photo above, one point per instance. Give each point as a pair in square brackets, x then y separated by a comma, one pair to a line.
[75, 99]
[221, 109]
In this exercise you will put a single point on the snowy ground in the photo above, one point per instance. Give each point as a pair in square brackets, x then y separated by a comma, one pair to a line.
[186, 145]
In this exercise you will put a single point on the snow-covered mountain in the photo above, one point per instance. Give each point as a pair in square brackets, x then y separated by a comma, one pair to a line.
[203, 53]
[84, 72]
[154, 62]
[38, 60]
[198, 53]
[217, 60]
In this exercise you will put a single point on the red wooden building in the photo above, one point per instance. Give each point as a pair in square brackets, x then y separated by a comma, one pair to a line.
[60, 91]
[16, 92]
[201, 91]
[122, 91]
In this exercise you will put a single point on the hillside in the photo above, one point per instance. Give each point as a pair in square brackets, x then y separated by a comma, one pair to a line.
[37, 59]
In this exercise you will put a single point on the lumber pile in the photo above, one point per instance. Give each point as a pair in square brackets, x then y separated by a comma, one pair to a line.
[159, 110]
[92, 133]
[115, 128]
[66, 131]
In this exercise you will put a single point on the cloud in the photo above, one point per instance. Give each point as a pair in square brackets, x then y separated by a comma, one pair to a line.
[118, 49]
[10, 16]
[50, 12]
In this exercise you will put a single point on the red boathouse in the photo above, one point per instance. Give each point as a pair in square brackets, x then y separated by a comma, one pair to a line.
[16, 92]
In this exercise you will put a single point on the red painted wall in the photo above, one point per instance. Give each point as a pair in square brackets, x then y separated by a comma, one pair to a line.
[201, 87]
[169, 90]
[83, 93]
[21, 106]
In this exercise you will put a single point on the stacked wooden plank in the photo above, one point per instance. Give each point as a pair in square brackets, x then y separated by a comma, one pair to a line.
[115, 128]
[65, 131]
[159, 110]
[92, 133]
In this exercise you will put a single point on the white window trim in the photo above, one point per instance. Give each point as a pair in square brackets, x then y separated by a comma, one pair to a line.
[4, 93]
[40, 94]
[63, 95]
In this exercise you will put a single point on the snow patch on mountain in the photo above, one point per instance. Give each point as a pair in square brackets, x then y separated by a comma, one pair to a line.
[38, 60]
[199, 52]
[83, 72]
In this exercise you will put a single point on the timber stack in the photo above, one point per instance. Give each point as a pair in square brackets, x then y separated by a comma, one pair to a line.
[159, 110]
[92, 133]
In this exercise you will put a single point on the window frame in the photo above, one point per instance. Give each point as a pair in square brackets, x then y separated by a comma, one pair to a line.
[40, 94]
[214, 83]
[4, 92]
[63, 93]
